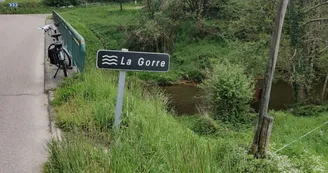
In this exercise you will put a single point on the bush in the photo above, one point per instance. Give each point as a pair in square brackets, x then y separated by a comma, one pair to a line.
[59, 3]
[24, 8]
[205, 126]
[234, 158]
[309, 110]
[152, 35]
[228, 92]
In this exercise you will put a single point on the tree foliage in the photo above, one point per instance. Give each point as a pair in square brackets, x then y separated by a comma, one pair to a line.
[59, 3]
[303, 59]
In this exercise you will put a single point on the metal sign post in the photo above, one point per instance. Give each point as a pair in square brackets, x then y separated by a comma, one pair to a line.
[120, 95]
[126, 60]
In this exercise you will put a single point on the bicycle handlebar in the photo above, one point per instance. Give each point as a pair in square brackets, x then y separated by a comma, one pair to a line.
[49, 27]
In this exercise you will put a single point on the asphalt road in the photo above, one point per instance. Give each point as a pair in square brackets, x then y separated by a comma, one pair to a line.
[24, 120]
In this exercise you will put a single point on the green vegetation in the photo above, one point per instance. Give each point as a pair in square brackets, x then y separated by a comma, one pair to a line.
[309, 110]
[191, 59]
[25, 7]
[46, 6]
[292, 127]
[195, 40]
[228, 92]
[22, 1]
[60, 3]
[151, 138]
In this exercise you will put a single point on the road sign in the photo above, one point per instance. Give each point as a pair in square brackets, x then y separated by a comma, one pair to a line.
[13, 4]
[130, 61]
[133, 61]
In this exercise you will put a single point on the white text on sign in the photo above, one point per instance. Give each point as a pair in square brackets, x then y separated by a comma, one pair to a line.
[142, 62]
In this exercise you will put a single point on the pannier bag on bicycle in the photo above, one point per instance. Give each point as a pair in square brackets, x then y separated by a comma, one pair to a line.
[52, 55]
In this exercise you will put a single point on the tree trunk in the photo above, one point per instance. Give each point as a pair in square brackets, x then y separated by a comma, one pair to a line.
[301, 94]
[272, 60]
[324, 88]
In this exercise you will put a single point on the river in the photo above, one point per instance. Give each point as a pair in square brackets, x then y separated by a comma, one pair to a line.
[184, 98]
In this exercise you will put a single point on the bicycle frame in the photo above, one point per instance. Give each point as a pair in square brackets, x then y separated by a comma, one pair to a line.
[62, 48]
[61, 57]
[59, 50]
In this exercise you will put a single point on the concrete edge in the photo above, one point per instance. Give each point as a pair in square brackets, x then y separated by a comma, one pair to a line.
[54, 131]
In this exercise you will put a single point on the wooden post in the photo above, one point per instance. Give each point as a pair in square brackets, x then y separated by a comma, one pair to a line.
[272, 60]
[265, 134]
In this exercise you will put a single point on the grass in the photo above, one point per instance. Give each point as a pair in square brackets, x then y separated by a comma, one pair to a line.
[151, 138]
[106, 23]
[312, 143]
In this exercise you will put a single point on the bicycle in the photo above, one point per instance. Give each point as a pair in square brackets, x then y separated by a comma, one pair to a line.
[57, 54]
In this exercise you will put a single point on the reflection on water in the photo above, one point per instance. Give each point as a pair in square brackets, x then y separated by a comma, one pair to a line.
[281, 95]
[184, 101]
[183, 98]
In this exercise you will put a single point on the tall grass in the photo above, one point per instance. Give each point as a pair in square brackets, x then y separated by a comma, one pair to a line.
[150, 140]
[285, 132]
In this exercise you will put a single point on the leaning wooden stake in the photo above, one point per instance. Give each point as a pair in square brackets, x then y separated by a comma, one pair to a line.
[265, 134]
[273, 54]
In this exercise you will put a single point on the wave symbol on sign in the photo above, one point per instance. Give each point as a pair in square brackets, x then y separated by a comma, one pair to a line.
[109, 60]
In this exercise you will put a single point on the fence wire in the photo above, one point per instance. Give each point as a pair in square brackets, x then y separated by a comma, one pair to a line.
[287, 145]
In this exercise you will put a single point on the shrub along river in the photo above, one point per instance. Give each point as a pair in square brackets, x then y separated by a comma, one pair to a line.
[184, 99]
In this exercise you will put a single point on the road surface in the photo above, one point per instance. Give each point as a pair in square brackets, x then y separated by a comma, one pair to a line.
[24, 120]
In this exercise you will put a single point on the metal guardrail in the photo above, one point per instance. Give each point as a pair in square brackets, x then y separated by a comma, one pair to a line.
[73, 41]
